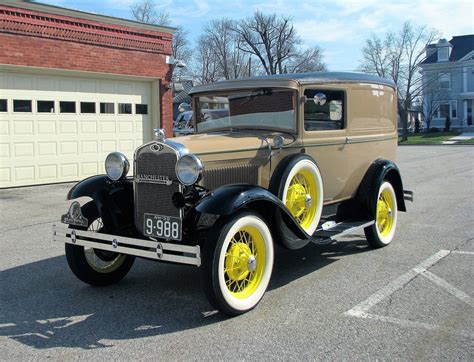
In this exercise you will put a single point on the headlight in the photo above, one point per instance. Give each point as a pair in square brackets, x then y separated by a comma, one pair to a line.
[189, 169]
[116, 166]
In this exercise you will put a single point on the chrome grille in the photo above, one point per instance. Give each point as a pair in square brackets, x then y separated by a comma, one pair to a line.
[214, 178]
[151, 197]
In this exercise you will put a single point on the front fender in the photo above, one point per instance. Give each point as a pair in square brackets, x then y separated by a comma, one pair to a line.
[229, 199]
[114, 200]
[90, 187]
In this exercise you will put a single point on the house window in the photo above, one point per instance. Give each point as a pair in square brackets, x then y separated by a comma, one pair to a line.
[443, 54]
[45, 106]
[444, 109]
[125, 108]
[87, 107]
[107, 108]
[20, 105]
[323, 110]
[454, 109]
[141, 108]
[67, 107]
[444, 81]
[3, 105]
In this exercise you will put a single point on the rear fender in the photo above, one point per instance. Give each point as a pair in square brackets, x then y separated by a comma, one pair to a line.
[229, 199]
[377, 173]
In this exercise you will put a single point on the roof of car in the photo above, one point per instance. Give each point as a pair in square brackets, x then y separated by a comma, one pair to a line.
[292, 80]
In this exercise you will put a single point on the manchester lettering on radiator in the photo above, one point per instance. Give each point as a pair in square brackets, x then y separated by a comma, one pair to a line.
[153, 179]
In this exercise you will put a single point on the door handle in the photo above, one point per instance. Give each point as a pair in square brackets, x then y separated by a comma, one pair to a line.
[348, 140]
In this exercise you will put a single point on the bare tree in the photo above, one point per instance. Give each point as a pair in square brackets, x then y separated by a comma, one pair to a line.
[270, 39]
[147, 11]
[309, 60]
[398, 57]
[206, 63]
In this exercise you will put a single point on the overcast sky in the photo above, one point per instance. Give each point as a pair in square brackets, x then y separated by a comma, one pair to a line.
[339, 27]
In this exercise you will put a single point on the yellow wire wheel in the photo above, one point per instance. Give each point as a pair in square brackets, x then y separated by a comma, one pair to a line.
[303, 194]
[386, 215]
[242, 264]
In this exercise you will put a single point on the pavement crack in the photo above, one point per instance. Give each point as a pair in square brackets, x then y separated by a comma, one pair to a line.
[26, 226]
[463, 244]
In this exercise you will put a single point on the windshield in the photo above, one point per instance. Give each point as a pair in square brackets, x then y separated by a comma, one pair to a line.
[260, 109]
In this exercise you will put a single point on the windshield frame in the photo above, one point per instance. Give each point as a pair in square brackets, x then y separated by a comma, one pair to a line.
[225, 93]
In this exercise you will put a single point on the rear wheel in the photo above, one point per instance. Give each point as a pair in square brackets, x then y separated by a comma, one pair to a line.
[386, 214]
[237, 267]
[92, 266]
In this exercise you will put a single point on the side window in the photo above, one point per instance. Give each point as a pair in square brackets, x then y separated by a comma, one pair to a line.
[323, 110]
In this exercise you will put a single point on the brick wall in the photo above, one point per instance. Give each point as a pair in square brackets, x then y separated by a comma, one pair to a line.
[118, 50]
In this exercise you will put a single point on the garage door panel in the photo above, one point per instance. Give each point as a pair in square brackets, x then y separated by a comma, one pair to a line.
[90, 168]
[88, 127]
[46, 127]
[25, 174]
[4, 128]
[47, 172]
[24, 149]
[5, 175]
[37, 147]
[23, 127]
[107, 127]
[47, 149]
[68, 148]
[89, 147]
[68, 127]
[69, 170]
[108, 146]
[5, 150]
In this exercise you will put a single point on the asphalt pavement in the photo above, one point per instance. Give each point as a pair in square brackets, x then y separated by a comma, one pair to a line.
[410, 300]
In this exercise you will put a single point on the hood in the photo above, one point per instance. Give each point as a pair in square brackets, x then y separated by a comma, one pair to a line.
[227, 146]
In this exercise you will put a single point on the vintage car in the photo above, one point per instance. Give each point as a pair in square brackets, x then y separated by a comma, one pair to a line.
[284, 160]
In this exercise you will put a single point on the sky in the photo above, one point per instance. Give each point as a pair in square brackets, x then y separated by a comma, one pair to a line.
[339, 27]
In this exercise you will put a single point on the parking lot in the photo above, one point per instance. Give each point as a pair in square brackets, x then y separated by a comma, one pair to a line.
[411, 300]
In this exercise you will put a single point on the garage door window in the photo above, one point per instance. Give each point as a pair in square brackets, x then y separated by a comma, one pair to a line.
[3, 105]
[67, 107]
[125, 108]
[87, 107]
[141, 109]
[107, 108]
[20, 105]
[45, 106]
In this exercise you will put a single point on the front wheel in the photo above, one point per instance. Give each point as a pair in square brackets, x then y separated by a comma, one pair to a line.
[238, 263]
[381, 233]
[97, 267]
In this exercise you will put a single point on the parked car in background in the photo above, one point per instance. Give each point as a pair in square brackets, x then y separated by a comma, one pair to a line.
[183, 124]
[290, 160]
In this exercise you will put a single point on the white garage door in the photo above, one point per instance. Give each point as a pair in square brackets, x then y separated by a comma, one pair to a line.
[57, 129]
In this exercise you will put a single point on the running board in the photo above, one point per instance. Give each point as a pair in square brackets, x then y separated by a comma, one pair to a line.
[330, 231]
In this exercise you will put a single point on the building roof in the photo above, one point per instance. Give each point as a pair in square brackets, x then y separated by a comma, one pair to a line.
[53, 9]
[293, 80]
[461, 45]
[183, 95]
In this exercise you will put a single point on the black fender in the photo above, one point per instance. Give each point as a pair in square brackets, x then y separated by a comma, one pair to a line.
[229, 199]
[378, 172]
[114, 200]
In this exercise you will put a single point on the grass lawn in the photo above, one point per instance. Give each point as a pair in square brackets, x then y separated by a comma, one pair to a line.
[432, 138]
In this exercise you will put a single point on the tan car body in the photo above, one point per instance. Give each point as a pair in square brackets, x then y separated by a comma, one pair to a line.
[343, 156]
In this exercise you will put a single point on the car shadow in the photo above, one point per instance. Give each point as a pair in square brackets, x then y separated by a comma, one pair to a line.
[45, 306]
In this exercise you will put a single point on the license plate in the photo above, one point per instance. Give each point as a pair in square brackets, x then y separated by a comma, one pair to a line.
[165, 227]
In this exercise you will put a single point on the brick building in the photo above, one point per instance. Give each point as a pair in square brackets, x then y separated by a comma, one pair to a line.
[75, 86]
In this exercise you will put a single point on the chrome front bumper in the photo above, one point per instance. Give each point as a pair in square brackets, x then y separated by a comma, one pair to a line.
[182, 254]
